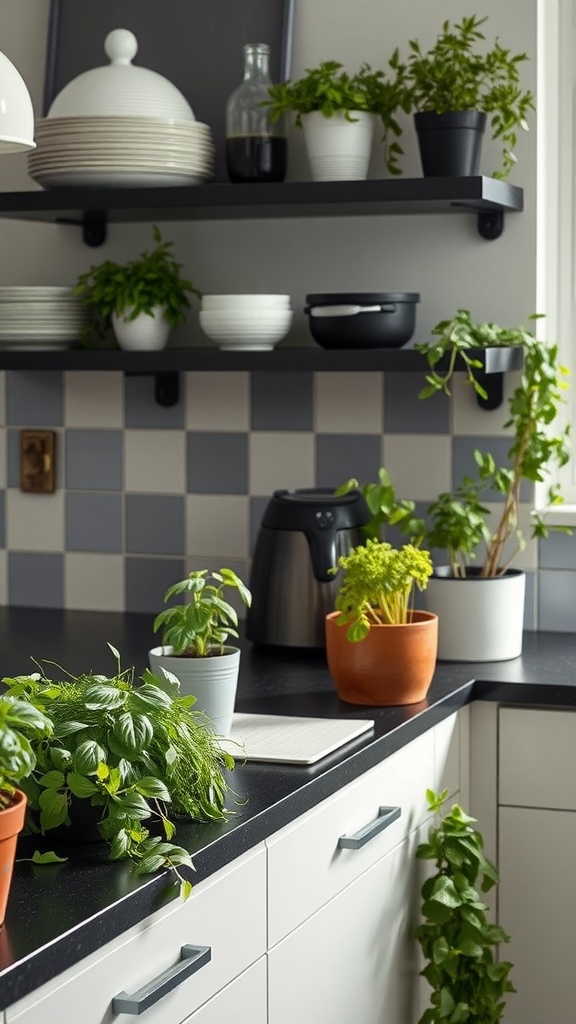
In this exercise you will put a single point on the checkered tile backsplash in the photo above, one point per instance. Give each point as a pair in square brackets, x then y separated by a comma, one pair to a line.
[146, 493]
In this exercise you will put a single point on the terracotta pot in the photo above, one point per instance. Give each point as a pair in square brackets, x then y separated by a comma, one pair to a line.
[392, 665]
[11, 823]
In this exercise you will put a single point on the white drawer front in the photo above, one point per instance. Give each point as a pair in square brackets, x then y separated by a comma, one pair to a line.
[537, 758]
[84, 993]
[244, 1001]
[306, 867]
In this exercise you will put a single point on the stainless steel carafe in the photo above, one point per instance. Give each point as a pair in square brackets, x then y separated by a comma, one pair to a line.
[302, 535]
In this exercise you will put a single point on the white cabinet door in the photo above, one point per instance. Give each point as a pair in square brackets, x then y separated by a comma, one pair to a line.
[243, 1001]
[355, 961]
[537, 907]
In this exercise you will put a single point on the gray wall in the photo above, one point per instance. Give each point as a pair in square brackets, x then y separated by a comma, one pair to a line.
[145, 492]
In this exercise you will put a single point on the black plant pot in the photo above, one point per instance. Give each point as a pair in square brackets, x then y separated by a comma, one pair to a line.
[450, 144]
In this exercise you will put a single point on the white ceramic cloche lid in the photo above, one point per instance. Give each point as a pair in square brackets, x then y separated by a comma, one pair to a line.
[121, 88]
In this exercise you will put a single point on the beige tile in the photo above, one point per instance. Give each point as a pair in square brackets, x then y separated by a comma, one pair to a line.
[94, 582]
[93, 399]
[217, 526]
[420, 466]
[349, 403]
[217, 401]
[155, 461]
[34, 522]
[280, 459]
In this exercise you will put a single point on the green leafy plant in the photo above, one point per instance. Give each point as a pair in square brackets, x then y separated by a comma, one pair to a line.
[19, 722]
[536, 446]
[385, 508]
[200, 627]
[129, 289]
[457, 74]
[378, 584]
[331, 90]
[138, 754]
[469, 984]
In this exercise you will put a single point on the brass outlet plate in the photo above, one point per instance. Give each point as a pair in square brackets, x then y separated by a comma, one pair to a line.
[38, 461]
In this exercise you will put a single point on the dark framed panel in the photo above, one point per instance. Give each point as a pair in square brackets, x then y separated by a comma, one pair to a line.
[196, 44]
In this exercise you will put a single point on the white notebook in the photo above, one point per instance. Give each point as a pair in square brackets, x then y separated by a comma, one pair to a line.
[290, 739]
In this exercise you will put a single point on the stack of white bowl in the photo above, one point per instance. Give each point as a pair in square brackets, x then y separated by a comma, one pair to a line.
[246, 322]
[40, 317]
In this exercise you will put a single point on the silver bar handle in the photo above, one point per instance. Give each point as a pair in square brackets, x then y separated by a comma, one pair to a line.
[386, 815]
[192, 958]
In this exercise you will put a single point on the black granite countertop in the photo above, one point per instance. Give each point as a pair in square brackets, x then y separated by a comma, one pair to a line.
[60, 913]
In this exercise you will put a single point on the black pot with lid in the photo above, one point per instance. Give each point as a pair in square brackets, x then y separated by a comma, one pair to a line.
[345, 320]
[302, 535]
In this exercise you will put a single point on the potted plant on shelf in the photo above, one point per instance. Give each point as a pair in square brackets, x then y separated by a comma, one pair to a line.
[194, 635]
[453, 88]
[468, 981]
[337, 112]
[141, 300]
[19, 724]
[123, 761]
[379, 650]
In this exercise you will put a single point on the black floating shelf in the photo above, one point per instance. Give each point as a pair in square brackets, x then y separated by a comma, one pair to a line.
[487, 197]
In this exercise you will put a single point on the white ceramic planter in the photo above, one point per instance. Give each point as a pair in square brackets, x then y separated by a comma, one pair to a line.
[479, 619]
[213, 681]
[147, 333]
[337, 149]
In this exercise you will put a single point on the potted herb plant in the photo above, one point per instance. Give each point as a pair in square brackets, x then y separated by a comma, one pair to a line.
[469, 982]
[141, 300]
[453, 88]
[379, 650]
[337, 111]
[19, 724]
[195, 648]
[122, 763]
[479, 596]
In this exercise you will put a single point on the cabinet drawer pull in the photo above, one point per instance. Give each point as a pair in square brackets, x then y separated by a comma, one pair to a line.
[386, 815]
[192, 958]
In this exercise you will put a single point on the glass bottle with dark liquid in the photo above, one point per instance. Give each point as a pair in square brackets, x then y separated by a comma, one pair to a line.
[256, 150]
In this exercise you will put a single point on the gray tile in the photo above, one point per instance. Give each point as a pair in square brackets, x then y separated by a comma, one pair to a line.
[257, 507]
[94, 460]
[34, 398]
[36, 579]
[405, 413]
[557, 601]
[147, 580]
[216, 463]
[142, 410]
[341, 456]
[93, 522]
[557, 551]
[282, 401]
[155, 524]
[463, 462]
[530, 605]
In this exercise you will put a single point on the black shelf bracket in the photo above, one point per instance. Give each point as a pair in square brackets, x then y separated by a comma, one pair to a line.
[93, 224]
[490, 224]
[493, 384]
[166, 385]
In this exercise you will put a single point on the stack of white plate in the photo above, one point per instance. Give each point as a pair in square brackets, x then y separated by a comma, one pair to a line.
[121, 150]
[40, 317]
[246, 322]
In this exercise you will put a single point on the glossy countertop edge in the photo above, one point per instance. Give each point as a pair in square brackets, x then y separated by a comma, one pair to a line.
[58, 915]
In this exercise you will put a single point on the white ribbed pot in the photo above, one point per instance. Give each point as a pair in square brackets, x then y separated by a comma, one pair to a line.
[478, 619]
[212, 680]
[338, 149]
[147, 333]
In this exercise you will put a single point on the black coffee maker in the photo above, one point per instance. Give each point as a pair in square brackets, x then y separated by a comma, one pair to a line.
[302, 535]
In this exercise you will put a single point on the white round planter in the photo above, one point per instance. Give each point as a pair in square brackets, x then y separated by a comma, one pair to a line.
[147, 333]
[479, 619]
[338, 149]
[213, 681]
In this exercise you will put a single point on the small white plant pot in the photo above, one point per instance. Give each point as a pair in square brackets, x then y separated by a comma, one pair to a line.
[213, 681]
[147, 333]
[478, 619]
[338, 149]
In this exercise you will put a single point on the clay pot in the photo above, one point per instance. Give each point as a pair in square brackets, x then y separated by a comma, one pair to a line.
[392, 665]
[11, 823]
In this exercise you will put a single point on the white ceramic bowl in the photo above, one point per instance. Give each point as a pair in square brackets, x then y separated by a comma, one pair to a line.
[246, 302]
[243, 318]
[255, 335]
